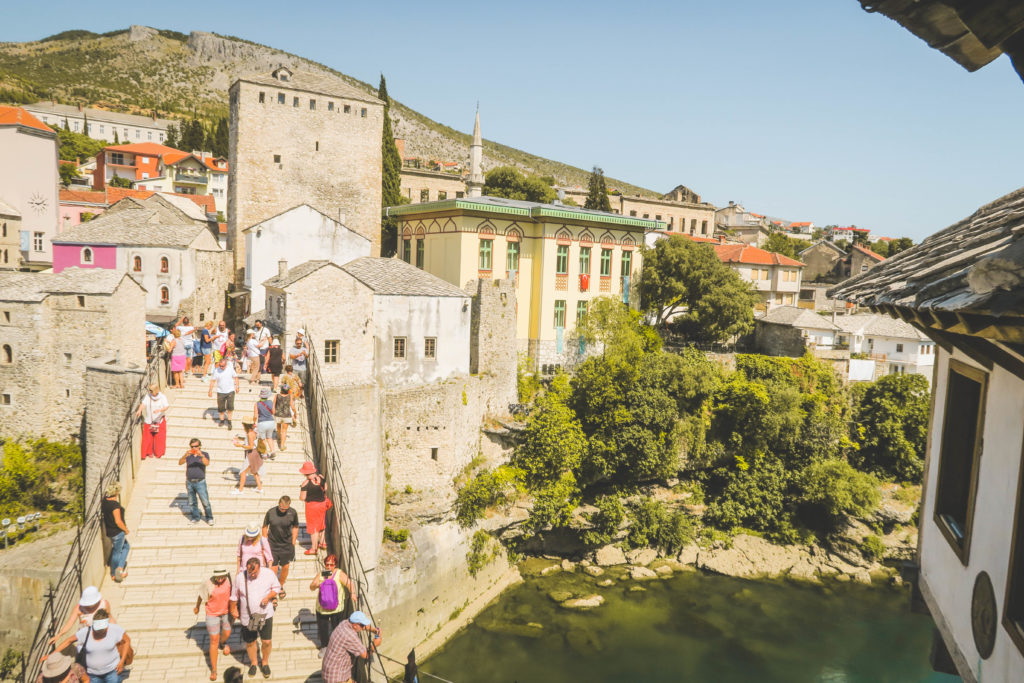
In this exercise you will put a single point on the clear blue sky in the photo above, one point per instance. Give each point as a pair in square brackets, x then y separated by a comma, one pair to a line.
[806, 109]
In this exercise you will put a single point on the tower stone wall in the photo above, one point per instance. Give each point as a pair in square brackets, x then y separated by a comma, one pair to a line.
[296, 141]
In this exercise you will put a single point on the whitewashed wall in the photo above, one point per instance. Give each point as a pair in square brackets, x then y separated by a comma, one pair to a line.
[416, 317]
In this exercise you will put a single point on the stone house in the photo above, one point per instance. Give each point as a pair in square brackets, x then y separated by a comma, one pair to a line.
[790, 331]
[167, 243]
[28, 184]
[828, 262]
[421, 185]
[745, 226]
[51, 327]
[898, 347]
[299, 234]
[863, 259]
[774, 276]
[558, 257]
[963, 287]
[388, 322]
[74, 203]
[302, 138]
[100, 124]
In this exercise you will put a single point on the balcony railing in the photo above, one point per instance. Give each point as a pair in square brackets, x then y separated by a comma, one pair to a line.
[195, 178]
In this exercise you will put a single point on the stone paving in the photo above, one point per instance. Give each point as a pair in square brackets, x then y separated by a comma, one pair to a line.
[169, 558]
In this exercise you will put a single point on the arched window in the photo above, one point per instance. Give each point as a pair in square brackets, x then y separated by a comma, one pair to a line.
[137, 264]
[165, 265]
[165, 295]
[8, 354]
[87, 255]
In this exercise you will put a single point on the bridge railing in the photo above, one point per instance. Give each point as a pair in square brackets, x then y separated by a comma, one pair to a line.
[342, 538]
[88, 542]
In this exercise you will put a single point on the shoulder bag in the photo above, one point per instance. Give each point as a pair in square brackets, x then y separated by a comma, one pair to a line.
[256, 619]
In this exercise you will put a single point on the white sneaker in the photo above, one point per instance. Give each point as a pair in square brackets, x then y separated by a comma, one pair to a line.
[235, 492]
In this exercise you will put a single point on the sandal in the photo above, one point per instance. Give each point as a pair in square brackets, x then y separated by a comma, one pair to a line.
[213, 675]
[311, 551]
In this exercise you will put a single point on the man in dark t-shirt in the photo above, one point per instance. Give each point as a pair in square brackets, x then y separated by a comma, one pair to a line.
[196, 461]
[281, 529]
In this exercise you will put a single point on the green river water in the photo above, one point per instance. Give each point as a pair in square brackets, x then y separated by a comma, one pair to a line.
[692, 627]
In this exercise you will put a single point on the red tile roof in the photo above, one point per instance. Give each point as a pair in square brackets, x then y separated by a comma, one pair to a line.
[742, 253]
[802, 224]
[116, 194]
[211, 163]
[868, 252]
[152, 149]
[92, 197]
[16, 116]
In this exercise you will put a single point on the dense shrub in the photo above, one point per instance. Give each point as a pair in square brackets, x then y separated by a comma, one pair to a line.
[833, 488]
[553, 504]
[653, 525]
[40, 475]
[892, 427]
[873, 548]
[606, 521]
[489, 488]
[752, 495]
[482, 551]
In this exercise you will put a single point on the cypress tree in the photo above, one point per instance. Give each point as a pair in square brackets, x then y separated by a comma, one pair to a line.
[391, 178]
[116, 140]
[172, 139]
[221, 139]
[597, 192]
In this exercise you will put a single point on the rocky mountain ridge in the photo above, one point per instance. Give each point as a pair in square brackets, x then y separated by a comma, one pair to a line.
[142, 69]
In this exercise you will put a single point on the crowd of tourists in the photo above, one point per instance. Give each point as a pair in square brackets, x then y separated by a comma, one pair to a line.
[91, 646]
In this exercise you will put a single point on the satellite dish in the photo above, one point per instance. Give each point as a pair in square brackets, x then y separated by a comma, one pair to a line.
[21, 520]
[6, 521]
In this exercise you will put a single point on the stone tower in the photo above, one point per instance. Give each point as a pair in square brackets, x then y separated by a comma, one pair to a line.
[302, 138]
[475, 183]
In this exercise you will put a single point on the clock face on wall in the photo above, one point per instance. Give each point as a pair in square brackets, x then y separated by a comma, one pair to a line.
[38, 202]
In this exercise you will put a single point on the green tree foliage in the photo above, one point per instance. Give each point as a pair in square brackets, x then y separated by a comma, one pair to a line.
[68, 172]
[900, 244]
[116, 140]
[832, 488]
[527, 382]
[40, 475]
[630, 419]
[606, 521]
[752, 494]
[553, 504]
[653, 525]
[391, 179]
[119, 181]
[192, 135]
[75, 146]
[483, 550]
[782, 244]
[553, 443]
[508, 182]
[892, 427]
[881, 247]
[490, 488]
[173, 138]
[684, 277]
[619, 329]
[597, 192]
[220, 140]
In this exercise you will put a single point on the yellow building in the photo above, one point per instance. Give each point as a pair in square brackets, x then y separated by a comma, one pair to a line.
[560, 257]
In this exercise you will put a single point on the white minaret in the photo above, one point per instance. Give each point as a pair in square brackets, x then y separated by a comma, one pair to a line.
[475, 183]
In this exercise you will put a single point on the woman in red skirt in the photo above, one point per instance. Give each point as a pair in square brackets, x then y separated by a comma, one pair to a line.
[314, 493]
[154, 425]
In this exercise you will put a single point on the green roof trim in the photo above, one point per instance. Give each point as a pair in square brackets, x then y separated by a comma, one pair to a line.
[535, 211]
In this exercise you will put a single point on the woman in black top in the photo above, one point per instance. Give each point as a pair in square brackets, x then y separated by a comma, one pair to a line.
[275, 362]
[314, 495]
[116, 530]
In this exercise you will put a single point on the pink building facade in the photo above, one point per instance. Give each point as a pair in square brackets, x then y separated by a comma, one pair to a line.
[84, 256]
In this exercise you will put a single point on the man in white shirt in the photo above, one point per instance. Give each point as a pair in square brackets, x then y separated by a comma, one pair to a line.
[262, 340]
[253, 594]
[225, 379]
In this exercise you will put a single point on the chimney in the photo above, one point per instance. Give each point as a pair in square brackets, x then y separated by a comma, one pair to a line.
[282, 268]
[79, 106]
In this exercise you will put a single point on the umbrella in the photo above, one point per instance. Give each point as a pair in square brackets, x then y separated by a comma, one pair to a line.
[156, 329]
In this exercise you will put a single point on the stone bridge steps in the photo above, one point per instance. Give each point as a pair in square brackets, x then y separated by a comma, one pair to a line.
[169, 557]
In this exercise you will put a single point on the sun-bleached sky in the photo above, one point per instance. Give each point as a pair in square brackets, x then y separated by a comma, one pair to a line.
[805, 109]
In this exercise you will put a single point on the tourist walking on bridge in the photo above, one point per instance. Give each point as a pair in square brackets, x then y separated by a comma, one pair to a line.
[106, 648]
[152, 409]
[266, 423]
[253, 459]
[176, 347]
[83, 613]
[216, 591]
[283, 414]
[252, 358]
[252, 603]
[196, 461]
[254, 544]
[330, 586]
[345, 644]
[225, 379]
[275, 362]
[60, 667]
[116, 530]
[206, 347]
[295, 384]
[314, 495]
[281, 527]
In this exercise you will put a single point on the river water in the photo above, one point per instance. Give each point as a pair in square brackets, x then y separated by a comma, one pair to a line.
[692, 627]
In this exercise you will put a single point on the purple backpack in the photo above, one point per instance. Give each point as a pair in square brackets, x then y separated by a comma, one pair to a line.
[328, 596]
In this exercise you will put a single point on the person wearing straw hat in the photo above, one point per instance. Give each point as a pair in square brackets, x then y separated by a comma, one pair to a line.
[345, 644]
[60, 667]
[252, 603]
[116, 530]
[216, 592]
[254, 544]
[82, 614]
[313, 492]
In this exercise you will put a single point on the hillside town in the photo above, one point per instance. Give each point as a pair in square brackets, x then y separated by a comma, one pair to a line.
[407, 385]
